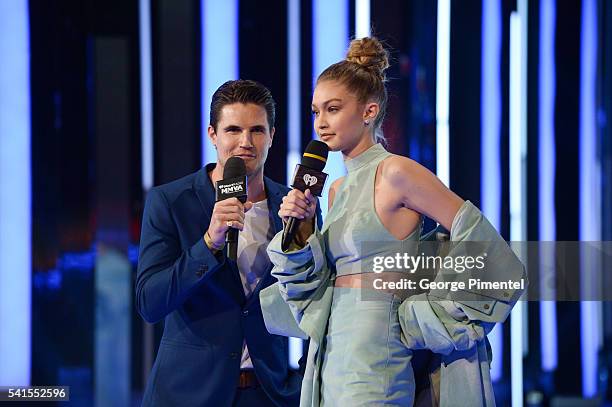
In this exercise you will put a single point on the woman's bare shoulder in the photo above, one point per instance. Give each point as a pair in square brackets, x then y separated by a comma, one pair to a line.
[421, 190]
[402, 170]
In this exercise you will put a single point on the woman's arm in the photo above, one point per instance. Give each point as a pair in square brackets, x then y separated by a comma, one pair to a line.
[420, 190]
[446, 320]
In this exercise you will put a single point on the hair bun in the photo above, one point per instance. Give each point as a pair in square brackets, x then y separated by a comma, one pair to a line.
[369, 53]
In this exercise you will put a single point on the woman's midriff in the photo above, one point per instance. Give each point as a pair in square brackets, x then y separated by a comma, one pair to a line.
[353, 280]
[377, 281]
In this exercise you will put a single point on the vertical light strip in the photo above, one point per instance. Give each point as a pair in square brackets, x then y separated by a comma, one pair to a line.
[219, 57]
[490, 171]
[516, 142]
[518, 139]
[590, 199]
[293, 88]
[15, 195]
[146, 94]
[517, 192]
[546, 178]
[491, 110]
[523, 11]
[146, 124]
[330, 42]
[442, 91]
[295, 136]
[362, 18]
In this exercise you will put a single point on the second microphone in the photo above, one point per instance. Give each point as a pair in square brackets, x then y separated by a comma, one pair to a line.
[308, 175]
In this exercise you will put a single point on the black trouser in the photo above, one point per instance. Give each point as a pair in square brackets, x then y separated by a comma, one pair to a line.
[252, 397]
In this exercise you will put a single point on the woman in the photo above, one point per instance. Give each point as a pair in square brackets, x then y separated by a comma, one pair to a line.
[361, 350]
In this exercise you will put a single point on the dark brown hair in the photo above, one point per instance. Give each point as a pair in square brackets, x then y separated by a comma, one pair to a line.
[242, 91]
[363, 74]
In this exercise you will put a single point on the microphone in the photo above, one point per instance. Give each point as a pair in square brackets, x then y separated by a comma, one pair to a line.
[308, 175]
[233, 185]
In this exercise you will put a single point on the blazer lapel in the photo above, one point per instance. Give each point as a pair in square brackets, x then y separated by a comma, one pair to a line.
[275, 196]
[205, 191]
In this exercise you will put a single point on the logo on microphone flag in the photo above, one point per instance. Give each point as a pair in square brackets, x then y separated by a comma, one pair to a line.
[310, 180]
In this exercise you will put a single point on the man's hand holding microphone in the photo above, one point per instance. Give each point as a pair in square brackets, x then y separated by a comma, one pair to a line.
[228, 213]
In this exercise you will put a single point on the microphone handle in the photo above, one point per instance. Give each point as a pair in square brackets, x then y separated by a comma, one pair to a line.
[289, 232]
[231, 243]
[231, 238]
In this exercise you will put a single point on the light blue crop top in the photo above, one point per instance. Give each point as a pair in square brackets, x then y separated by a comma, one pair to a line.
[353, 233]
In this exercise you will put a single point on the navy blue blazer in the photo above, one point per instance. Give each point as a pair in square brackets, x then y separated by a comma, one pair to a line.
[200, 295]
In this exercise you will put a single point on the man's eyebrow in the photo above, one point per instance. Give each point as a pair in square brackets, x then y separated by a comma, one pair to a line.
[231, 127]
[329, 101]
[259, 127]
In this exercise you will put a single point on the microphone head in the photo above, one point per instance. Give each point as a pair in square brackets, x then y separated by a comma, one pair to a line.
[315, 155]
[234, 167]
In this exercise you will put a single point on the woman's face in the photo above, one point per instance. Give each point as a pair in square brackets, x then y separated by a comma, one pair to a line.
[338, 116]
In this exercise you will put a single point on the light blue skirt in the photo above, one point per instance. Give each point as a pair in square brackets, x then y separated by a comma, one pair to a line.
[364, 360]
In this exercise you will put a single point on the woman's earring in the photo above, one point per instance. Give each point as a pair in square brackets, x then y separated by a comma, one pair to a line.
[366, 122]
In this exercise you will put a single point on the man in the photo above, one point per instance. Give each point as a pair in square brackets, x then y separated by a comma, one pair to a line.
[215, 349]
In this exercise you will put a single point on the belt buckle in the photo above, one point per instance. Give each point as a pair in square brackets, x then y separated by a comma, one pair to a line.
[246, 379]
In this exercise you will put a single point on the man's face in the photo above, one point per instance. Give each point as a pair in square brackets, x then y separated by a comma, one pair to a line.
[242, 131]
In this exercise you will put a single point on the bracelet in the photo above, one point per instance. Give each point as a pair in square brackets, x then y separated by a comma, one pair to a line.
[211, 245]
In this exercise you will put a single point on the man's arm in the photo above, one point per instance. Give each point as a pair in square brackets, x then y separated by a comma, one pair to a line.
[167, 274]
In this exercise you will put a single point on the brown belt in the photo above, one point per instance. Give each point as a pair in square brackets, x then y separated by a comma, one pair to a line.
[247, 379]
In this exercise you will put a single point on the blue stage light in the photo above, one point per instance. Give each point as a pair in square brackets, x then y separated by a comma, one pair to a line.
[219, 58]
[546, 179]
[15, 195]
[330, 42]
[590, 200]
[146, 93]
[490, 116]
[443, 91]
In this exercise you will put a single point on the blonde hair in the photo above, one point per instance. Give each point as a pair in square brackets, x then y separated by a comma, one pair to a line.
[363, 74]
